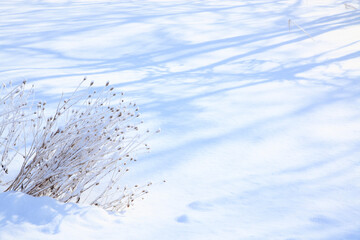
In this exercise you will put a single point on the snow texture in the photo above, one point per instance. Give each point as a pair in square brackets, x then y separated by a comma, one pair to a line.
[258, 102]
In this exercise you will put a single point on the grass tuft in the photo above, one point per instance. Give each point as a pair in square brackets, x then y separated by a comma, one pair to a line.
[79, 153]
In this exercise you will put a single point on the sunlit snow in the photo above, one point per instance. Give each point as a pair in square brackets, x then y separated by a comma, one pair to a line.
[260, 116]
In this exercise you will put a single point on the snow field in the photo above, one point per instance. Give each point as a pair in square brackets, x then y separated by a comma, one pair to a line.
[260, 124]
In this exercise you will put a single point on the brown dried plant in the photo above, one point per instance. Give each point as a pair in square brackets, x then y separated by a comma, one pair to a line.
[78, 154]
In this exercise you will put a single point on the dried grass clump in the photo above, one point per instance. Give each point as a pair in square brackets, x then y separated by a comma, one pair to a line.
[78, 154]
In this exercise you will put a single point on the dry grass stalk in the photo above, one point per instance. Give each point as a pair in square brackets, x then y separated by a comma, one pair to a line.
[14, 118]
[298, 26]
[349, 6]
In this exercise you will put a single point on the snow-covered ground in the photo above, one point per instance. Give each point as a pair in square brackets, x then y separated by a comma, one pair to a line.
[260, 123]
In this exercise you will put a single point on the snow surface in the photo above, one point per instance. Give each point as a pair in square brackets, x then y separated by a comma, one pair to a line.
[260, 124]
